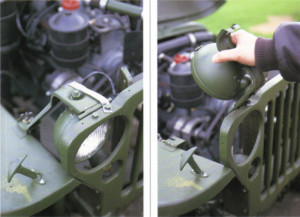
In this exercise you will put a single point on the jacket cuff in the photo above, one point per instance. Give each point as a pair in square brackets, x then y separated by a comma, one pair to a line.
[265, 56]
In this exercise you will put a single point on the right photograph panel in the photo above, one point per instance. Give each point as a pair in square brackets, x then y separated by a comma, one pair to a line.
[228, 107]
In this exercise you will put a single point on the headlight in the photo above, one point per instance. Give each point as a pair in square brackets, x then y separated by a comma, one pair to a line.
[93, 142]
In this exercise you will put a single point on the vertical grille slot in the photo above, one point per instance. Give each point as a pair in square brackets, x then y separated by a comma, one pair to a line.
[298, 142]
[268, 148]
[281, 136]
[138, 155]
[278, 119]
[279, 103]
[133, 173]
[286, 128]
[297, 129]
[294, 130]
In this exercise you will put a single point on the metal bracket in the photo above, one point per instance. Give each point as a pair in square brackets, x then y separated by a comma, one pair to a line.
[224, 40]
[172, 143]
[257, 80]
[125, 79]
[104, 102]
[81, 105]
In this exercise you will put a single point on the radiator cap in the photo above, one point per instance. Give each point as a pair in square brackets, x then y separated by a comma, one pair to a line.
[70, 4]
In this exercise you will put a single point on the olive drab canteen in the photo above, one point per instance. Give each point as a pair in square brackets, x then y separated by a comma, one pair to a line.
[220, 80]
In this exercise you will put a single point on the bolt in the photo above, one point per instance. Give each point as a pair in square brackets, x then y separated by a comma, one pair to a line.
[245, 82]
[48, 93]
[26, 117]
[107, 106]
[76, 94]
[95, 115]
[187, 158]
[16, 167]
[107, 168]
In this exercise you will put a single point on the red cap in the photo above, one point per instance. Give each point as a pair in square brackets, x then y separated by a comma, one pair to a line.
[179, 59]
[70, 4]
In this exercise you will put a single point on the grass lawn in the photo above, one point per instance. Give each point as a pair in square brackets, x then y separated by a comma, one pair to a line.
[248, 13]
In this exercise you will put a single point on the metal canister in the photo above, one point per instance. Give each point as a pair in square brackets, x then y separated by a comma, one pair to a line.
[9, 31]
[69, 37]
[185, 92]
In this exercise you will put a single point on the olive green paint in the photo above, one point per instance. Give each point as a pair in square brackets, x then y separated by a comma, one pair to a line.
[183, 11]
[125, 79]
[69, 134]
[23, 196]
[260, 200]
[219, 80]
[227, 80]
[124, 8]
[180, 29]
[182, 191]
[72, 136]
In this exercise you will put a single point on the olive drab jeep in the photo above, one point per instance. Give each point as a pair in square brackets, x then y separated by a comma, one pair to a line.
[71, 107]
[228, 139]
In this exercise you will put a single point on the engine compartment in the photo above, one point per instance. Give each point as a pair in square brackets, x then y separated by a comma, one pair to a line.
[184, 110]
[48, 45]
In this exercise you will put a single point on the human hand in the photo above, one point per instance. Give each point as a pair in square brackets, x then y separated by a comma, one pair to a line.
[244, 51]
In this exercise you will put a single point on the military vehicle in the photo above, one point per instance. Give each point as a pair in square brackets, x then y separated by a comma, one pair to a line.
[71, 107]
[229, 141]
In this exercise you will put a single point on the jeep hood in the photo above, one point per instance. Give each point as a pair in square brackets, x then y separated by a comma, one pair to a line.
[173, 12]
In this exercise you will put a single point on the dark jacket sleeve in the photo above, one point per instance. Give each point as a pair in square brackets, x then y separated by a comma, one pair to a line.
[282, 52]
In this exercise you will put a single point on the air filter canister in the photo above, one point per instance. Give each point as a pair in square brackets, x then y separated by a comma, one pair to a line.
[69, 36]
[185, 92]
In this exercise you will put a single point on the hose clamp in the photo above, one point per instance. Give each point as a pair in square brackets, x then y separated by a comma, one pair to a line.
[161, 56]
[192, 38]
[102, 4]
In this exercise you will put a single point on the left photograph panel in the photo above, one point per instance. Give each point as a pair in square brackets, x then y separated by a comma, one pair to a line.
[71, 108]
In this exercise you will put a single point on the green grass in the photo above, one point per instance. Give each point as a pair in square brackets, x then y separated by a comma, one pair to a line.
[247, 13]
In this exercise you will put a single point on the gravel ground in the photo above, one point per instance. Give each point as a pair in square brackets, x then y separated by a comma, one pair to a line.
[135, 209]
[289, 206]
